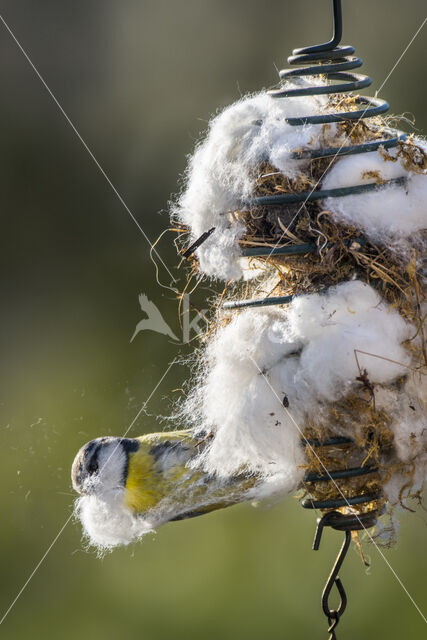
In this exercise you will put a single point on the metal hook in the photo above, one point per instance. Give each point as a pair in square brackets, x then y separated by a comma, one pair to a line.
[333, 615]
[336, 38]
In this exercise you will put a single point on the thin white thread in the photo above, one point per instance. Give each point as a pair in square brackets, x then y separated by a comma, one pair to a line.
[68, 119]
[401, 56]
[36, 568]
[341, 493]
[58, 535]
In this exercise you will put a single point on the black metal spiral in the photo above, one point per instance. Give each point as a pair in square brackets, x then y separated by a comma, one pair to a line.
[334, 62]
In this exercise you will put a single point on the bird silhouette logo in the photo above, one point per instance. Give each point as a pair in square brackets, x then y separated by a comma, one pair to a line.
[154, 321]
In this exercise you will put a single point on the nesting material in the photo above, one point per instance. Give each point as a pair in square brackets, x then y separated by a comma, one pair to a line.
[250, 142]
[348, 355]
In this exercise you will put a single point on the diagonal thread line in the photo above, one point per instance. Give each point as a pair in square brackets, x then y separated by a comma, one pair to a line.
[36, 568]
[339, 490]
[401, 56]
[60, 532]
[74, 128]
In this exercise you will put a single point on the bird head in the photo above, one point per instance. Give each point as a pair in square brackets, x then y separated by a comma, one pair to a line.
[102, 465]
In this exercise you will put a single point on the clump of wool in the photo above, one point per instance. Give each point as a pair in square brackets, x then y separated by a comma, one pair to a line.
[397, 211]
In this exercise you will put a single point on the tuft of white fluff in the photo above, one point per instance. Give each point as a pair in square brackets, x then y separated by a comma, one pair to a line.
[303, 352]
[409, 411]
[222, 171]
[107, 522]
[396, 211]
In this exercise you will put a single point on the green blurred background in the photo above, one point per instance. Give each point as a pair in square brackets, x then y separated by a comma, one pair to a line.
[140, 80]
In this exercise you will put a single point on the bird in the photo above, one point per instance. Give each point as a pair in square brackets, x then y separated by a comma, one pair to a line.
[154, 322]
[152, 474]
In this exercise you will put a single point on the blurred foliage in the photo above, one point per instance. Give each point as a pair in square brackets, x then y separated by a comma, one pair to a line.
[140, 79]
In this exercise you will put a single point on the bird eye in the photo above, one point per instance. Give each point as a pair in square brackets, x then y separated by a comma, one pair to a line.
[92, 465]
[91, 457]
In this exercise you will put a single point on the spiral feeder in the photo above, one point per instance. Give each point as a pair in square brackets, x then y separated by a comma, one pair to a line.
[311, 376]
[345, 475]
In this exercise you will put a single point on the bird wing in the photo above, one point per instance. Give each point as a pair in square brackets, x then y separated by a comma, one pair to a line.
[169, 454]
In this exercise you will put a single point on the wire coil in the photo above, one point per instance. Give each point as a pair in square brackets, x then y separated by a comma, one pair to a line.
[336, 63]
[331, 475]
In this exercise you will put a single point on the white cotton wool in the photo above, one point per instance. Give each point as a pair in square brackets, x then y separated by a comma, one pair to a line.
[410, 422]
[407, 408]
[306, 352]
[394, 212]
[107, 522]
[222, 171]
[351, 316]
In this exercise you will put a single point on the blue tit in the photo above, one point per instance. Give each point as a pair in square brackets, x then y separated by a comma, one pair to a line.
[153, 474]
